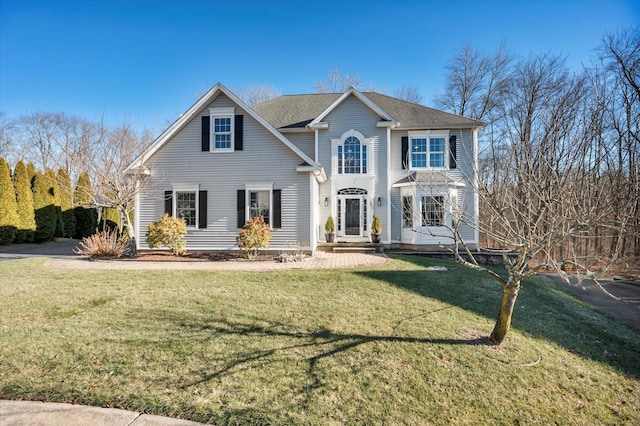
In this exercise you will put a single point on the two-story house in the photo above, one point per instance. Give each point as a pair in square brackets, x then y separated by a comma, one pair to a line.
[298, 159]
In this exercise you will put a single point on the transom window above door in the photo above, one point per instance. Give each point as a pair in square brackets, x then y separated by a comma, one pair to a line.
[352, 154]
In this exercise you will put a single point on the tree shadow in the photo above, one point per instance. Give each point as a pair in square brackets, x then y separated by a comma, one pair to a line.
[543, 310]
[287, 339]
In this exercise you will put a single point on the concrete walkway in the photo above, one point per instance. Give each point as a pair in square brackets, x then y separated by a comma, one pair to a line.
[22, 413]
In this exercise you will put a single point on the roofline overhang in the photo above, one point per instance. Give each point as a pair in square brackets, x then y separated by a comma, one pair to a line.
[318, 125]
[318, 171]
[392, 124]
[446, 184]
[441, 127]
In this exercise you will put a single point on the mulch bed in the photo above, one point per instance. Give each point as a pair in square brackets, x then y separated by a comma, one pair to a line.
[165, 256]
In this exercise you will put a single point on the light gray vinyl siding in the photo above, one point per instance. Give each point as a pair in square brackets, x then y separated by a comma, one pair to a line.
[353, 114]
[264, 159]
[464, 172]
[304, 141]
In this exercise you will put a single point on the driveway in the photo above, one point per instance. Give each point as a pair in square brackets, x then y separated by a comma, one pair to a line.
[61, 248]
[626, 308]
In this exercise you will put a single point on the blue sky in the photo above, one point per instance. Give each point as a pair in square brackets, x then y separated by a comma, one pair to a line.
[149, 60]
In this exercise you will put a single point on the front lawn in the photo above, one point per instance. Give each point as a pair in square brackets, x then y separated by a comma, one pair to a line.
[389, 345]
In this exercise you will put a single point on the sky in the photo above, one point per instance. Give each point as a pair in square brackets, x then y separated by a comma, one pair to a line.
[148, 61]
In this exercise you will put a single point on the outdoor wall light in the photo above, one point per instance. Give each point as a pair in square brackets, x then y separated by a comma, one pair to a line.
[379, 201]
[326, 201]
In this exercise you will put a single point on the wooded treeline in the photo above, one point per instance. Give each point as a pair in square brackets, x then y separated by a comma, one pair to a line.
[559, 158]
[68, 170]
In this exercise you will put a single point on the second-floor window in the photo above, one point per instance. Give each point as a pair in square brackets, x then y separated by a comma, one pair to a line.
[427, 149]
[427, 152]
[222, 133]
[352, 156]
[222, 129]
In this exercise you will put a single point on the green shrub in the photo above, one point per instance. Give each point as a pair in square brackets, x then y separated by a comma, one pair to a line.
[110, 219]
[8, 207]
[57, 202]
[376, 226]
[66, 202]
[255, 234]
[44, 207]
[24, 200]
[168, 231]
[329, 225]
[86, 216]
[103, 244]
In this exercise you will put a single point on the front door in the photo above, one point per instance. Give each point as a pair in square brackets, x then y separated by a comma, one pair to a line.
[352, 216]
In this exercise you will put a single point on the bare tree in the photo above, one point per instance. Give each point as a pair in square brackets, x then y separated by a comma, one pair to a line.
[336, 82]
[42, 130]
[475, 82]
[409, 94]
[113, 187]
[7, 142]
[541, 181]
[258, 93]
[79, 141]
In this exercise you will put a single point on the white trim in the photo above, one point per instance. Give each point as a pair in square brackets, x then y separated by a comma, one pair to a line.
[428, 135]
[368, 142]
[258, 187]
[313, 215]
[226, 112]
[181, 187]
[388, 194]
[476, 196]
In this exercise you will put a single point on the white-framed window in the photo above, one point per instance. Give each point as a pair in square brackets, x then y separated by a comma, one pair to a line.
[259, 201]
[407, 211]
[260, 204]
[428, 150]
[352, 154]
[432, 210]
[222, 131]
[186, 204]
[187, 207]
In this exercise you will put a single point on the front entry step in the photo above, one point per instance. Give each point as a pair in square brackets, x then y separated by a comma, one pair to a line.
[352, 247]
[354, 250]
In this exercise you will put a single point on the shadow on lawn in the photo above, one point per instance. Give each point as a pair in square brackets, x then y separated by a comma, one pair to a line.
[543, 310]
[283, 341]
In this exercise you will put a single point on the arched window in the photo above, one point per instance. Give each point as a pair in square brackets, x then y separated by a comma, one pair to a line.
[352, 156]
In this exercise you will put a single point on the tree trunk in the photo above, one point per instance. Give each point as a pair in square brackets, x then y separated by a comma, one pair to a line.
[509, 296]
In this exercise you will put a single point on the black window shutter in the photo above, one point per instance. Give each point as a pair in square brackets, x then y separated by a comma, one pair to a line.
[239, 132]
[453, 162]
[241, 207]
[405, 151]
[206, 123]
[168, 202]
[202, 209]
[277, 208]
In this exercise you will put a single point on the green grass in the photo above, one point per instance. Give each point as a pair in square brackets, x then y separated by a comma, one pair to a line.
[389, 345]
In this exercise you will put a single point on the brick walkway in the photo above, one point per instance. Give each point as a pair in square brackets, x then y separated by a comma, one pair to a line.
[321, 260]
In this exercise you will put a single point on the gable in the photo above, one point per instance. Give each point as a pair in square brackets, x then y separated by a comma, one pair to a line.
[218, 95]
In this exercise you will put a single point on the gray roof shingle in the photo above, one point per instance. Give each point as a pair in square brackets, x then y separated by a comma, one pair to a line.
[296, 111]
